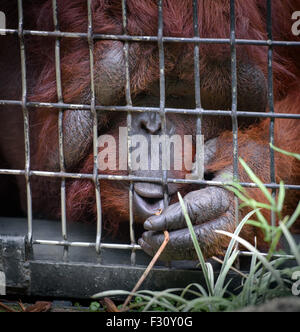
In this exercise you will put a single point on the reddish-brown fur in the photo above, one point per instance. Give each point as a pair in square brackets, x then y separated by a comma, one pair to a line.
[214, 22]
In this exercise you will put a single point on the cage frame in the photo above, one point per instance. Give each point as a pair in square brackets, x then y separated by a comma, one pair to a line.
[129, 109]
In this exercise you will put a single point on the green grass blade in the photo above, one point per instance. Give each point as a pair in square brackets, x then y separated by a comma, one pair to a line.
[257, 181]
[110, 294]
[256, 224]
[256, 205]
[211, 276]
[294, 217]
[237, 232]
[197, 246]
[264, 225]
[252, 249]
[201, 290]
[163, 299]
[291, 242]
[281, 197]
[208, 303]
[290, 154]
[249, 284]
[219, 288]
[230, 255]
[238, 193]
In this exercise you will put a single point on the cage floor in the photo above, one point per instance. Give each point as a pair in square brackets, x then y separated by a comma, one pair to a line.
[77, 232]
[47, 271]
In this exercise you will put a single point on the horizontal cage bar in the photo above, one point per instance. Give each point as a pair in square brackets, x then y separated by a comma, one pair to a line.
[151, 39]
[82, 107]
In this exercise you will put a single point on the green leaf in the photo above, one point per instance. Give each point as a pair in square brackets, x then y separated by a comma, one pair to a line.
[256, 224]
[197, 246]
[257, 181]
[264, 225]
[281, 197]
[241, 195]
[110, 294]
[201, 289]
[230, 255]
[257, 205]
[294, 217]
[290, 154]
[252, 249]
[237, 232]
[219, 289]
[211, 276]
[94, 306]
[291, 242]
[249, 285]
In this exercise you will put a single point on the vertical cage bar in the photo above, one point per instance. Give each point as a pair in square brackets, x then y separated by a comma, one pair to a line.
[197, 83]
[234, 102]
[234, 109]
[163, 100]
[129, 130]
[199, 110]
[234, 90]
[95, 129]
[271, 103]
[26, 119]
[60, 127]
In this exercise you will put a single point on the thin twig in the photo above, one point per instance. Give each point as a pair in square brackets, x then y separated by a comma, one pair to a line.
[7, 308]
[147, 271]
[22, 306]
[232, 268]
[110, 305]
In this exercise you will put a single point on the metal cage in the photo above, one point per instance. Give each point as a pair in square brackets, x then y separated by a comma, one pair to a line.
[31, 255]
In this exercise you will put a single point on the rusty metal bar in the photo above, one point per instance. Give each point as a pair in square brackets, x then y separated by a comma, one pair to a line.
[152, 39]
[26, 119]
[60, 128]
[129, 132]
[96, 180]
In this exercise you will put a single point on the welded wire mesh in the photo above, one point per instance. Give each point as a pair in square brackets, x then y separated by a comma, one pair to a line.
[162, 110]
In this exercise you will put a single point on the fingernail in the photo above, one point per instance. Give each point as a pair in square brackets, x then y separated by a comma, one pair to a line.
[156, 223]
[148, 225]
